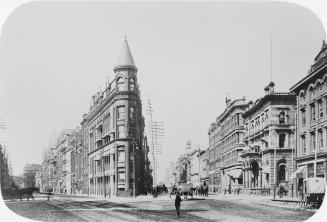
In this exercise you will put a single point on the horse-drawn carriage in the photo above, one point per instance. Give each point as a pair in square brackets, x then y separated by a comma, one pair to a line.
[313, 192]
[183, 189]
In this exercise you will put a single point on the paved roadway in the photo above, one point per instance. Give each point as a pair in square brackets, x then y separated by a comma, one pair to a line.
[66, 208]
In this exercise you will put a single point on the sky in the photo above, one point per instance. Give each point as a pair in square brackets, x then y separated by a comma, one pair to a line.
[55, 55]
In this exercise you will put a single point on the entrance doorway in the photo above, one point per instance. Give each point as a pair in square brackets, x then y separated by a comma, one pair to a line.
[255, 174]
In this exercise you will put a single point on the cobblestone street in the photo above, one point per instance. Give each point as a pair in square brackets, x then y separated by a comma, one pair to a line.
[145, 208]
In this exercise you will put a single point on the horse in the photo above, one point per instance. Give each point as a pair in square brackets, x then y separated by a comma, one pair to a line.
[205, 190]
[29, 191]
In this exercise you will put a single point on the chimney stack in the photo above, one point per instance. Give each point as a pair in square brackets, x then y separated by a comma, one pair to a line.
[266, 90]
[271, 87]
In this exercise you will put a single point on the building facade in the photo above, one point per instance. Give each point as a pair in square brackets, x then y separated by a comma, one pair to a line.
[231, 144]
[61, 170]
[5, 175]
[204, 166]
[195, 168]
[311, 110]
[75, 143]
[113, 134]
[268, 159]
[214, 176]
[30, 171]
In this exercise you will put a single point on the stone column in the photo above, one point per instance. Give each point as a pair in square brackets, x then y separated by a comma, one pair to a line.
[249, 181]
[260, 179]
[247, 178]
[243, 179]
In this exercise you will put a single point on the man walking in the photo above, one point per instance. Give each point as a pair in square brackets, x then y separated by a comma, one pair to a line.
[178, 201]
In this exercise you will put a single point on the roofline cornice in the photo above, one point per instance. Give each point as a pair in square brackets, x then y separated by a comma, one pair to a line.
[266, 99]
[295, 88]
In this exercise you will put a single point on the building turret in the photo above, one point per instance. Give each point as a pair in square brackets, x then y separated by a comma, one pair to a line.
[125, 60]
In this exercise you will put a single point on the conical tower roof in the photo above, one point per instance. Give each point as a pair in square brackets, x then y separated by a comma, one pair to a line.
[125, 59]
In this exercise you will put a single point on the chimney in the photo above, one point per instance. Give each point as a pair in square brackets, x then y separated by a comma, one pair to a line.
[250, 103]
[266, 90]
[271, 87]
[93, 100]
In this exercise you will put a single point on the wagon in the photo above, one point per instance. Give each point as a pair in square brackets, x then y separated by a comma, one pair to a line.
[185, 189]
[313, 192]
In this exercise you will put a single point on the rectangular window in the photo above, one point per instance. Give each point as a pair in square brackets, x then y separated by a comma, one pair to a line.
[121, 177]
[282, 140]
[131, 112]
[320, 109]
[313, 112]
[313, 141]
[303, 143]
[320, 139]
[121, 112]
[121, 131]
[303, 116]
[121, 155]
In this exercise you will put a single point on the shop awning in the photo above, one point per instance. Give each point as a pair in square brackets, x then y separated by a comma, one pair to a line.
[237, 173]
[296, 173]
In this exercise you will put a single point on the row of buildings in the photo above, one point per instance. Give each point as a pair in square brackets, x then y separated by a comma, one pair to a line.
[6, 179]
[279, 139]
[107, 154]
[5, 171]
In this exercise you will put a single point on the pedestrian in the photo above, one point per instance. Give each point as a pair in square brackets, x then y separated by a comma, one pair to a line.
[49, 193]
[281, 191]
[178, 201]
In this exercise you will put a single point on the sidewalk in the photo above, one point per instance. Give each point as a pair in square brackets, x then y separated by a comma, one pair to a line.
[285, 202]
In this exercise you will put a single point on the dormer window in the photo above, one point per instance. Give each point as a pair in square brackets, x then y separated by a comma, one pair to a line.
[120, 84]
[131, 84]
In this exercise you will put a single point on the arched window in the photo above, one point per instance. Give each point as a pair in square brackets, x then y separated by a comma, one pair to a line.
[120, 84]
[282, 140]
[131, 84]
[282, 118]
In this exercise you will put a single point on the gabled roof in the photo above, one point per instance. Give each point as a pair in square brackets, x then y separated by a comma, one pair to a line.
[322, 50]
[125, 59]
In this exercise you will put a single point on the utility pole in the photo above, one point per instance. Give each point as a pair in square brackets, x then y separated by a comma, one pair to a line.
[156, 129]
[150, 112]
